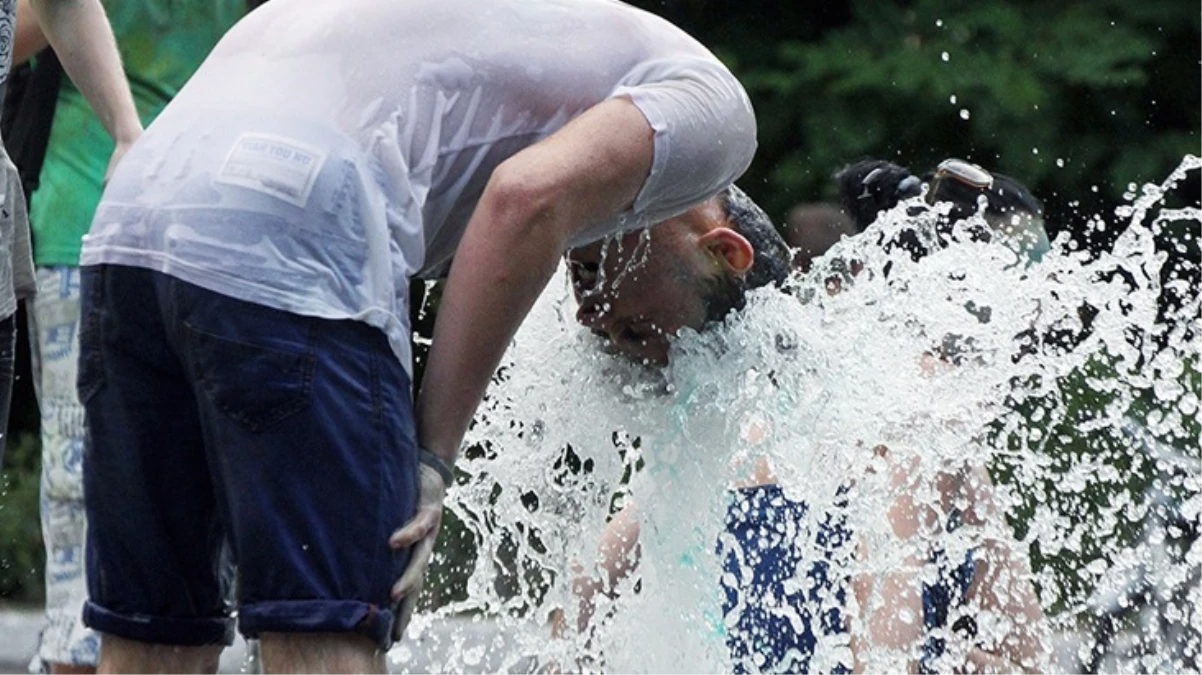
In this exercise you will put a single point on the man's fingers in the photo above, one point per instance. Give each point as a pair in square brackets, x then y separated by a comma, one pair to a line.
[114, 159]
[405, 615]
[407, 608]
[417, 528]
[415, 572]
[408, 588]
[419, 534]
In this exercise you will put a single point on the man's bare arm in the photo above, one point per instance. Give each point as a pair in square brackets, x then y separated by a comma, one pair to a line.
[81, 36]
[617, 557]
[29, 38]
[590, 169]
[1002, 587]
[533, 204]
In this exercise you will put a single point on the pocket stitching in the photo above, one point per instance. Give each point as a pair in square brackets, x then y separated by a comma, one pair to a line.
[254, 424]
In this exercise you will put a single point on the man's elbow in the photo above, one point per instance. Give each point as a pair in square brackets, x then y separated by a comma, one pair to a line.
[526, 203]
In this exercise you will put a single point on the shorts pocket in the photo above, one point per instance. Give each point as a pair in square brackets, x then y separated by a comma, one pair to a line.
[254, 385]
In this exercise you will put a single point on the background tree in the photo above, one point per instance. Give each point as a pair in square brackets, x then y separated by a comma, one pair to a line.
[1078, 100]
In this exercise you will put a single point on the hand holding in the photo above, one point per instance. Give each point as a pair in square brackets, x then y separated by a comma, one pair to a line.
[118, 152]
[420, 533]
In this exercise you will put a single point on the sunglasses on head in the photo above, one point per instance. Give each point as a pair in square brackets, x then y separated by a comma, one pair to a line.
[961, 172]
[961, 183]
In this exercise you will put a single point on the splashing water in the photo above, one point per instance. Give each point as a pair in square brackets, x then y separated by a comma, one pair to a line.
[1060, 378]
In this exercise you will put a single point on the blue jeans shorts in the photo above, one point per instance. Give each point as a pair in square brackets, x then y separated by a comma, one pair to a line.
[212, 420]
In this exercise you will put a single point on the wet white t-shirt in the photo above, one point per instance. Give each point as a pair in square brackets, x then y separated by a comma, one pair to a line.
[327, 152]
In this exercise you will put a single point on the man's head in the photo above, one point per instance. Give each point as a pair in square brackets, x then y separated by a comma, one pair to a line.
[639, 290]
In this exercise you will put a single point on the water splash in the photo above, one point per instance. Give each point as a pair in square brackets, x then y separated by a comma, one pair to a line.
[1067, 381]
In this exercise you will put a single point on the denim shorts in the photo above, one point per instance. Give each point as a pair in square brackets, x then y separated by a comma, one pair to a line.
[211, 419]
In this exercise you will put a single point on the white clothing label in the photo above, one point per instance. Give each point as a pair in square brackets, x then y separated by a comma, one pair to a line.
[273, 165]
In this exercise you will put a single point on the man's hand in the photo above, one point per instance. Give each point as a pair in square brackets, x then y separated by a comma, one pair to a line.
[420, 533]
[114, 159]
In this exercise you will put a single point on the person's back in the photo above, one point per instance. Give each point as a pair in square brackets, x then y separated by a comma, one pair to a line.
[775, 624]
[380, 138]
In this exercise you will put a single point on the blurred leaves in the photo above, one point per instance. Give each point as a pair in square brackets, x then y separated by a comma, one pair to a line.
[22, 556]
[1109, 88]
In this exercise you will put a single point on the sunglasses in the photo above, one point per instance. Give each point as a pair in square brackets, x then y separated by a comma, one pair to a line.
[959, 182]
[963, 173]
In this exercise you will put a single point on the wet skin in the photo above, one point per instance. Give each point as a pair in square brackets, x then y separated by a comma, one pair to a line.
[638, 291]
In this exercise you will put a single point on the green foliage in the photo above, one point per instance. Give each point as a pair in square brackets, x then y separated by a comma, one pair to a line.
[1076, 442]
[1109, 89]
[22, 555]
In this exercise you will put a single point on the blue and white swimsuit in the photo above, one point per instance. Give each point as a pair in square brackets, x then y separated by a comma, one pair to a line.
[777, 620]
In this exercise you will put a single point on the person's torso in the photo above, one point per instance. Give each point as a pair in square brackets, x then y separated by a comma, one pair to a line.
[434, 94]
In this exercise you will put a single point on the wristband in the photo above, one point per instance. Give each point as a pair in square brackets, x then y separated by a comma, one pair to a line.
[437, 463]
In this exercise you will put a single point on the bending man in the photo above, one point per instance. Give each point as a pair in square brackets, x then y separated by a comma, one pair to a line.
[245, 342]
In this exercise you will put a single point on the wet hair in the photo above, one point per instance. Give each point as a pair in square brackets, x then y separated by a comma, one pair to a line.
[771, 264]
[1005, 197]
[870, 186]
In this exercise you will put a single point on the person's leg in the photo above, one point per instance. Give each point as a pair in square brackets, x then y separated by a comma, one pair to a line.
[154, 537]
[320, 653]
[309, 425]
[65, 645]
[119, 655]
[63, 669]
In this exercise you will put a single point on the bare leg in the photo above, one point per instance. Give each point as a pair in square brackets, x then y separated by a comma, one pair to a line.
[320, 653]
[68, 669]
[118, 655]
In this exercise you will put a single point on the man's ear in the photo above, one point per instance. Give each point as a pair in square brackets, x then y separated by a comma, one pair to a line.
[730, 249]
